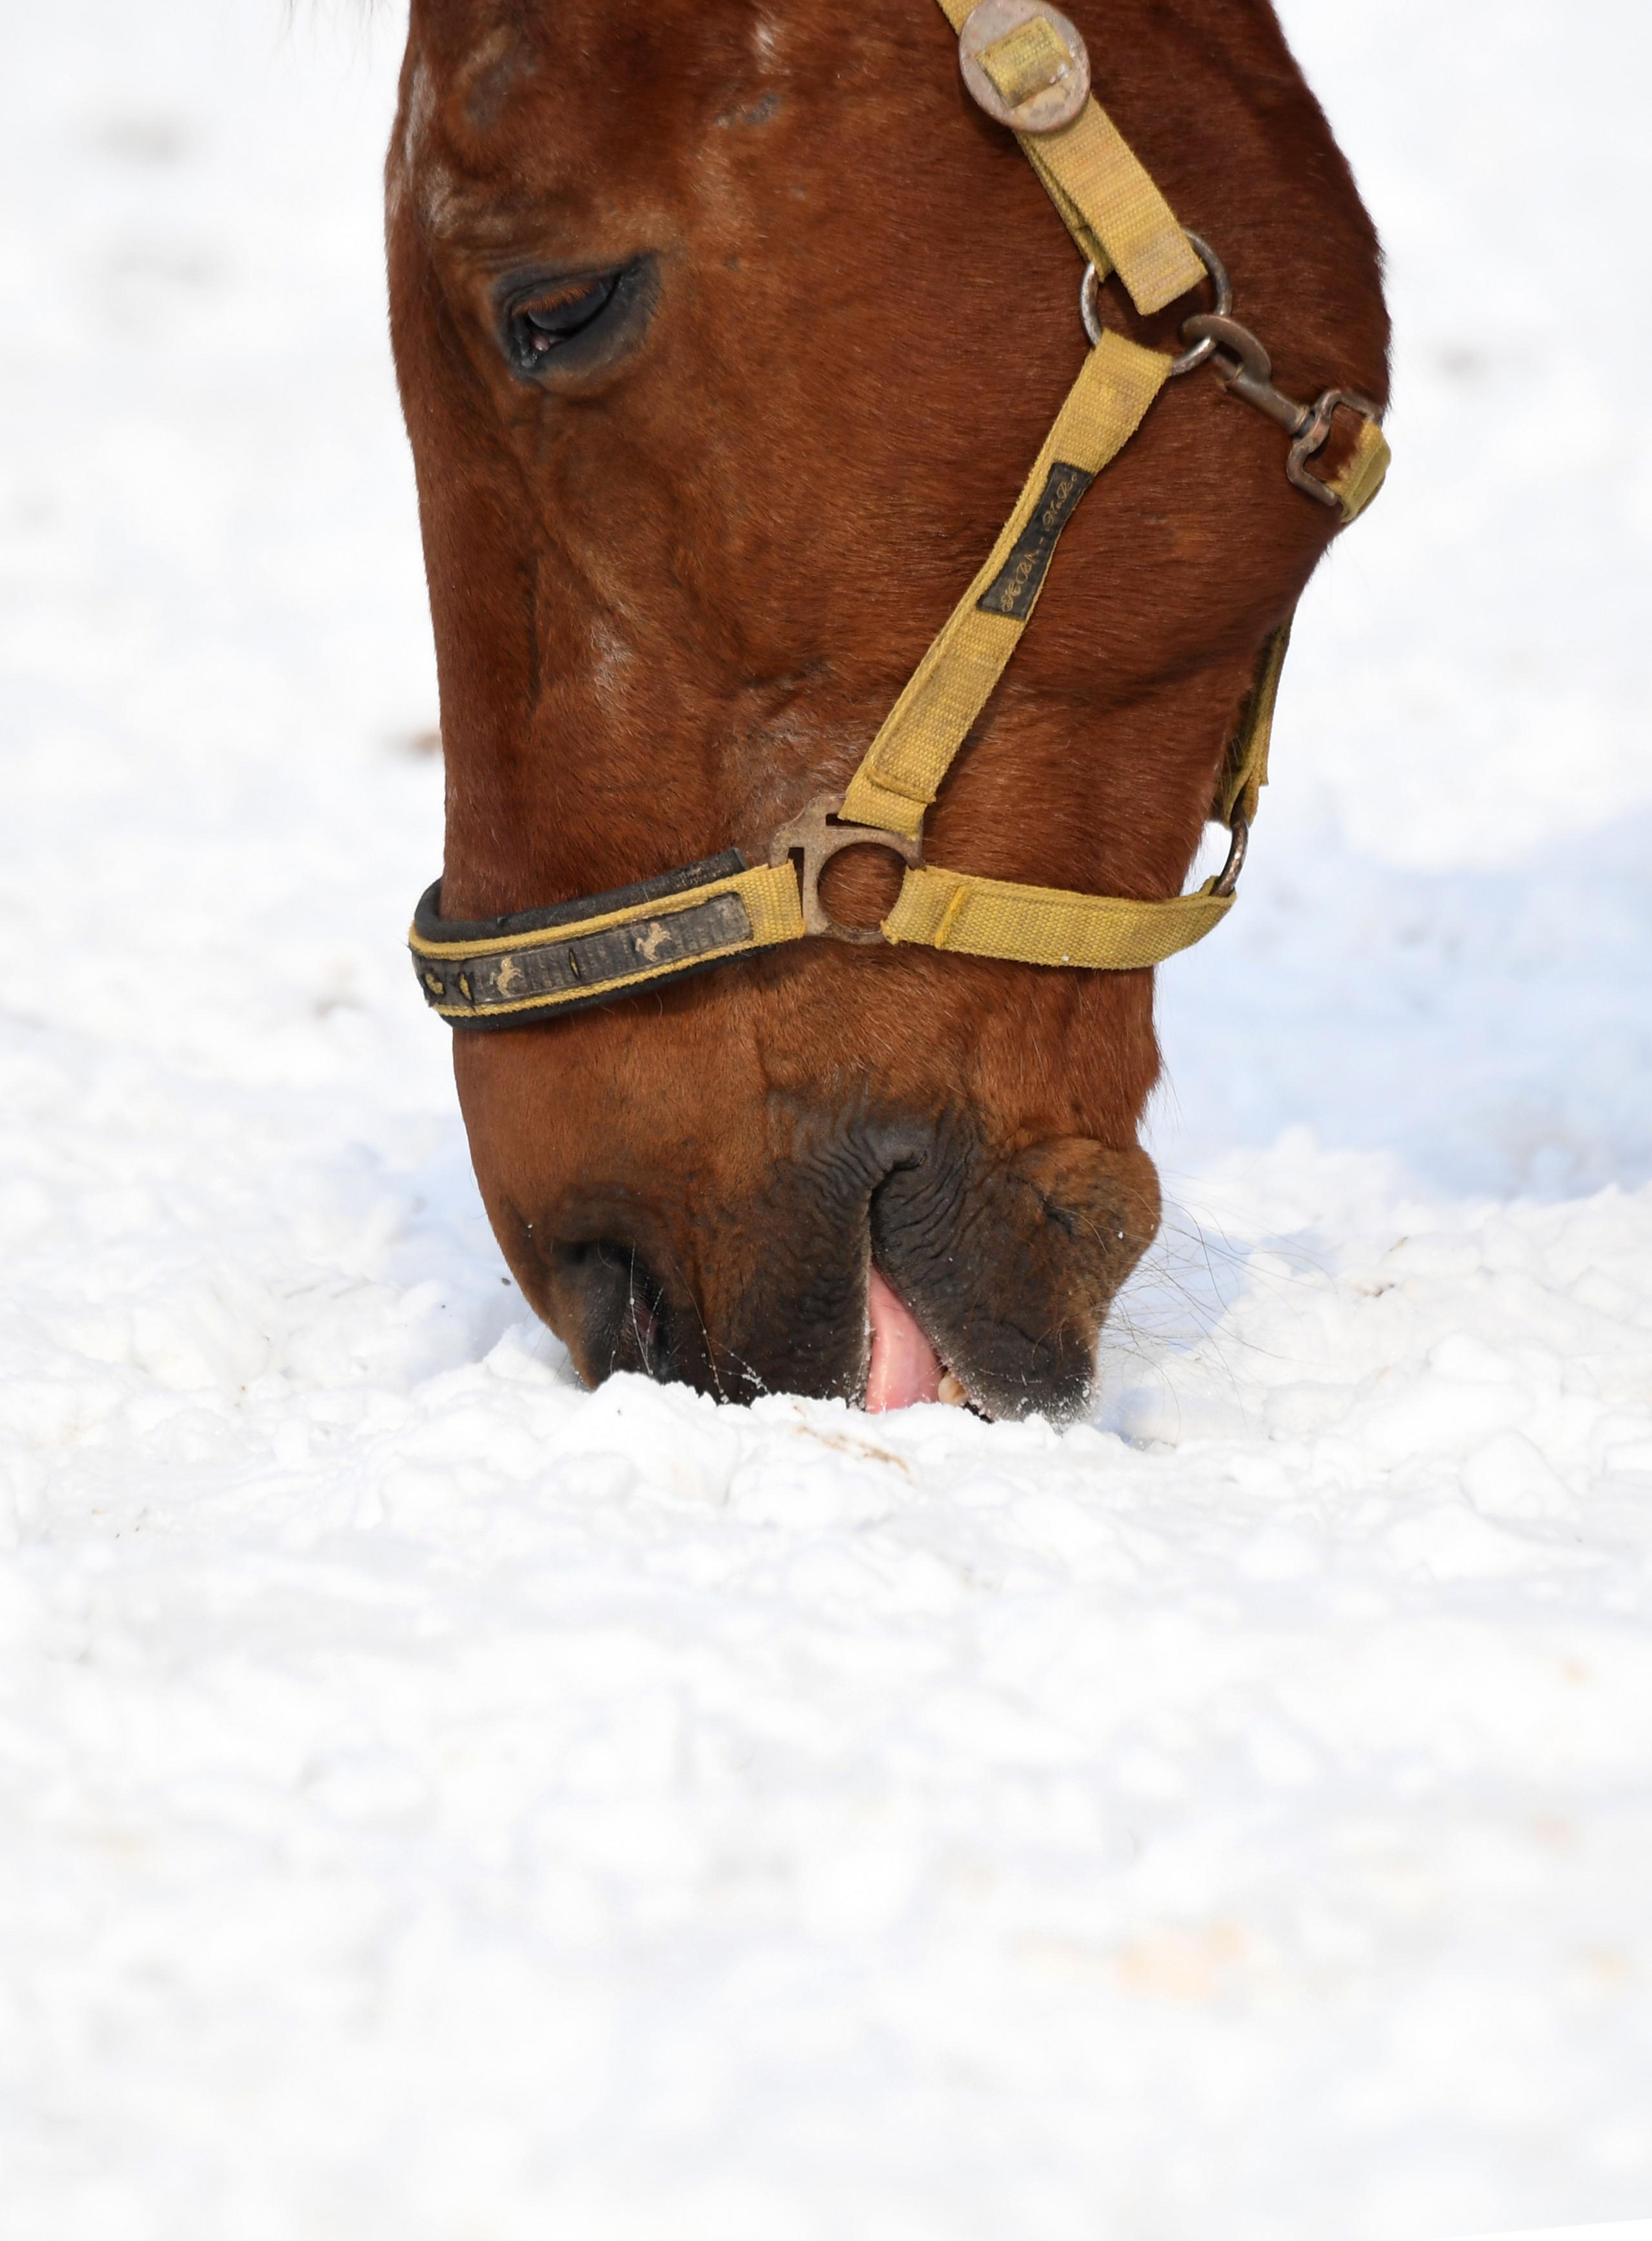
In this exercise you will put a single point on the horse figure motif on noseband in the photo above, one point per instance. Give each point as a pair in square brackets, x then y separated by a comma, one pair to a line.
[756, 407]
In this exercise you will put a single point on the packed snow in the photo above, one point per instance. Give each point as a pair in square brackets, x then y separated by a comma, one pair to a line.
[439, 1804]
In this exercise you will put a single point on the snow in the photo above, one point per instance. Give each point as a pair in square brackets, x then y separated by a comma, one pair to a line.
[439, 1802]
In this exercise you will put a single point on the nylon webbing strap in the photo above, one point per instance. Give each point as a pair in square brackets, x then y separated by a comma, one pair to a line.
[1245, 766]
[1048, 926]
[904, 765]
[1363, 472]
[1056, 925]
[1107, 201]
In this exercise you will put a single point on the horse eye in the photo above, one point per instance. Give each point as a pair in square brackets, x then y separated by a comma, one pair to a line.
[540, 322]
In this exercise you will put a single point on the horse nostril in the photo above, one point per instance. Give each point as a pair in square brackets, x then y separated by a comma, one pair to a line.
[615, 1304]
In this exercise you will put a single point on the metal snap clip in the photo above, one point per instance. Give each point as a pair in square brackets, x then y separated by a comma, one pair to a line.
[1024, 63]
[816, 835]
[1246, 371]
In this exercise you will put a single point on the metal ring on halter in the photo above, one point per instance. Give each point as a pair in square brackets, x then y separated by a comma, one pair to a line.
[816, 836]
[1090, 303]
[1227, 878]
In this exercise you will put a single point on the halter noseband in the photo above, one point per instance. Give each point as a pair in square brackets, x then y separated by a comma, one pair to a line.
[1026, 64]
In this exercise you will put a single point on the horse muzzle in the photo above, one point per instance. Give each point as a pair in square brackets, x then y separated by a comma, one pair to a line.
[869, 1239]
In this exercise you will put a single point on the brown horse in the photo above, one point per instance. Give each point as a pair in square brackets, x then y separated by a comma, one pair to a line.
[726, 332]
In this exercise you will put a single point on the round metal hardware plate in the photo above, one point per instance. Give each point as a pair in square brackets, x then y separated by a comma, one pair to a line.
[817, 837]
[1024, 63]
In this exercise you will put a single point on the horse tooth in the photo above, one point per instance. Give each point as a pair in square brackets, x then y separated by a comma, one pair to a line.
[951, 1392]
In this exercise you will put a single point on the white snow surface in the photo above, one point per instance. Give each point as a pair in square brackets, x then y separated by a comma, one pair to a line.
[439, 1804]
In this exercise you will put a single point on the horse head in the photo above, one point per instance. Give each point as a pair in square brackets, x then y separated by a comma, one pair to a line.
[727, 330]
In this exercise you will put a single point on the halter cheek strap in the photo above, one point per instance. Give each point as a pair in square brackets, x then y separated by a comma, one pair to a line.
[1027, 65]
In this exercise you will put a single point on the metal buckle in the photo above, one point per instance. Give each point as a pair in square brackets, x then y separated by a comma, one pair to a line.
[816, 836]
[1317, 434]
[1090, 303]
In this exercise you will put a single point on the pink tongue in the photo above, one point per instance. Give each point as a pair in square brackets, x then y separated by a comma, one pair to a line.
[904, 1367]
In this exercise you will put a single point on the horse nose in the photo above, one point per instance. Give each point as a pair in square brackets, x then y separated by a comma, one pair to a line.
[884, 1259]
[611, 1309]
[738, 1295]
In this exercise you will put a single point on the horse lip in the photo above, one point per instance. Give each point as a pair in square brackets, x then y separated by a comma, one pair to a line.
[1011, 1261]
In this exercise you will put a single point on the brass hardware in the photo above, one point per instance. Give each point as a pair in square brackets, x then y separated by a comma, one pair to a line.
[816, 836]
[1244, 368]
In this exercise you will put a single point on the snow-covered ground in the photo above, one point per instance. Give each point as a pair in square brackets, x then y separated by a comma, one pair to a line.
[439, 1805]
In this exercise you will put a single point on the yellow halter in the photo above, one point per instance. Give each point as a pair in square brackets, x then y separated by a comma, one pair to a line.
[1026, 66]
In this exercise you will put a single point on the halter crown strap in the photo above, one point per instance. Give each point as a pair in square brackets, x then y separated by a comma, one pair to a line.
[502, 971]
[1106, 200]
